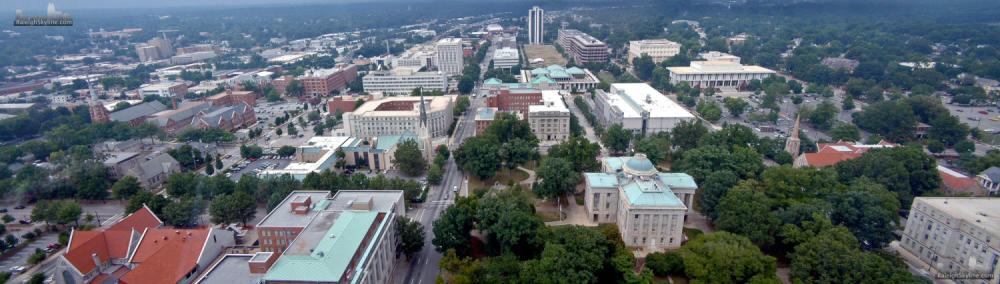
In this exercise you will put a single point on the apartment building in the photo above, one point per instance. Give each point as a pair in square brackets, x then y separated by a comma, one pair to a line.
[536, 25]
[322, 82]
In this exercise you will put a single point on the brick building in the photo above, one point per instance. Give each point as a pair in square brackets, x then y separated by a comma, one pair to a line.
[515, 100]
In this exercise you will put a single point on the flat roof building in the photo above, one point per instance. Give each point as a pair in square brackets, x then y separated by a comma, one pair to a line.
[163, 89]
[506, 58]
[347, 238]
[402, 81]
[450, 58]
[639, 108]
[955, 235]
[317, 155]
[398, 115]
[658, 49]
[718, 73]
[550, 120]
[583, 47]
[322, 82]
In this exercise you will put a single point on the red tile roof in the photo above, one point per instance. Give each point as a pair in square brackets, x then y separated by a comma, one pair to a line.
[959, 182]
[832, 153]
[174, 252]
[112, 242]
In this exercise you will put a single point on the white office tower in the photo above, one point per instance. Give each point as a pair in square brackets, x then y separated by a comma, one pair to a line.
[449, 53]
[536, 25]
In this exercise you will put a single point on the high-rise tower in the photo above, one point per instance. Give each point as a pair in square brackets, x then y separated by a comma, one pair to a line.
[536, 25]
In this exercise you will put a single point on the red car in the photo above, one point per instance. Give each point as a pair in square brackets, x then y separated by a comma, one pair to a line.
[983, 112]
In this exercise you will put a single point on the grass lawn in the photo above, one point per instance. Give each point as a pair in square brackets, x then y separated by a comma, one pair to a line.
[606, 77]
[692, 233]
[548, 216]
[504, 176]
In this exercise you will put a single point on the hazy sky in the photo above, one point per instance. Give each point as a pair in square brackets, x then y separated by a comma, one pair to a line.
[70, 5]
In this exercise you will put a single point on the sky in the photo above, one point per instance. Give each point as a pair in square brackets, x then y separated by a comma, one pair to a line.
[70, 5]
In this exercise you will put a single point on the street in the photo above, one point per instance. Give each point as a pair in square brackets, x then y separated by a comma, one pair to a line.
[424, 265]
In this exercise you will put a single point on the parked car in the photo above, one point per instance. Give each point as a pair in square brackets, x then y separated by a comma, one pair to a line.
[20, 207]
[3, 210]
[983, 112]
[17, 269]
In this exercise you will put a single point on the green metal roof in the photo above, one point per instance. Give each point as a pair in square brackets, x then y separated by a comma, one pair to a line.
[492, 81]
[539, 71]
[615, 163]
[575, 71]
[649, 193]
[678, 180]
[332, 255]
[640, 164]
[601, 180]
[542, 79]
[559, 73]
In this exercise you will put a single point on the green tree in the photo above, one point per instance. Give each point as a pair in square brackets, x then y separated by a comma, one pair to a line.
[644, 67]
[295, 89]
[935, 146]
[663, 264]
[965, 147]
[848, 103]
[466, 84]
[845, 132]
[237, 207]
[409, 159]
[736, 106]
[948, 129]
[508, 217]
[713, 189]
[747, 212]
[556, 177]
[434, 174]
[451, 229]
[125, 188]
[579, 151]
[723, 257]
[709, 110]
[893, 120]
[183, 213]
[616, 138]
[286, 151]
[410, 234]
[155, 202]
[686, 134]
[479, 156]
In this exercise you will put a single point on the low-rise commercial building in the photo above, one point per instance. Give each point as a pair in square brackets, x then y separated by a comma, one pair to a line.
[639, 108]
[398, 115]
[719, 72]
[402, 81]
[549, 121]
[658, 49]
[163, 89]
[955, 236]
[648, 206]
[506, 58]
[583, 47]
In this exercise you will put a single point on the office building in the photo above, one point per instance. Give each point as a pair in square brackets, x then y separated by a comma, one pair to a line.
[423, 56]
[192, 57]
[311, 237]
[955, 235]
[506, 58]
[555, 77]
[402, 81]
[322, 82]
[450, 56]
[549, 121]
[648, 206]
[398, 115]
[163, 46]
[639, 108]
[515, 100]
[163, 89]
[658, 49]
[721, 72]
[719, 56]
[536, 25]
[505, 41]
[147, 52]
[582, 47]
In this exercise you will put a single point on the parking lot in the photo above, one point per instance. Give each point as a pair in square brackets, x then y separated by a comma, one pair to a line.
[21, 257]
[258, 165]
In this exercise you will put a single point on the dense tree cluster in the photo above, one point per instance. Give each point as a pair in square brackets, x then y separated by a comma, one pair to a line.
[506, 143]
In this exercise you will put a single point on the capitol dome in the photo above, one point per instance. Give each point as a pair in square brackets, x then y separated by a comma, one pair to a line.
[639, 165]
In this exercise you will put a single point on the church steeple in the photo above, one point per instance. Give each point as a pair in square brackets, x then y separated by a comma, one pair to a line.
[793, 143]
[98, 114]
[425, 129]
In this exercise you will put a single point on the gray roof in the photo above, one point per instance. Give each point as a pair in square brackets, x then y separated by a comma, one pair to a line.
[160, 163]
[137, 111]
[214, 116]
[232, 268]
[183, 112]
[993, 173]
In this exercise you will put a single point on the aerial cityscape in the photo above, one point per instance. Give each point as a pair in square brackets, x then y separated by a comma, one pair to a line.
[500, 141]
